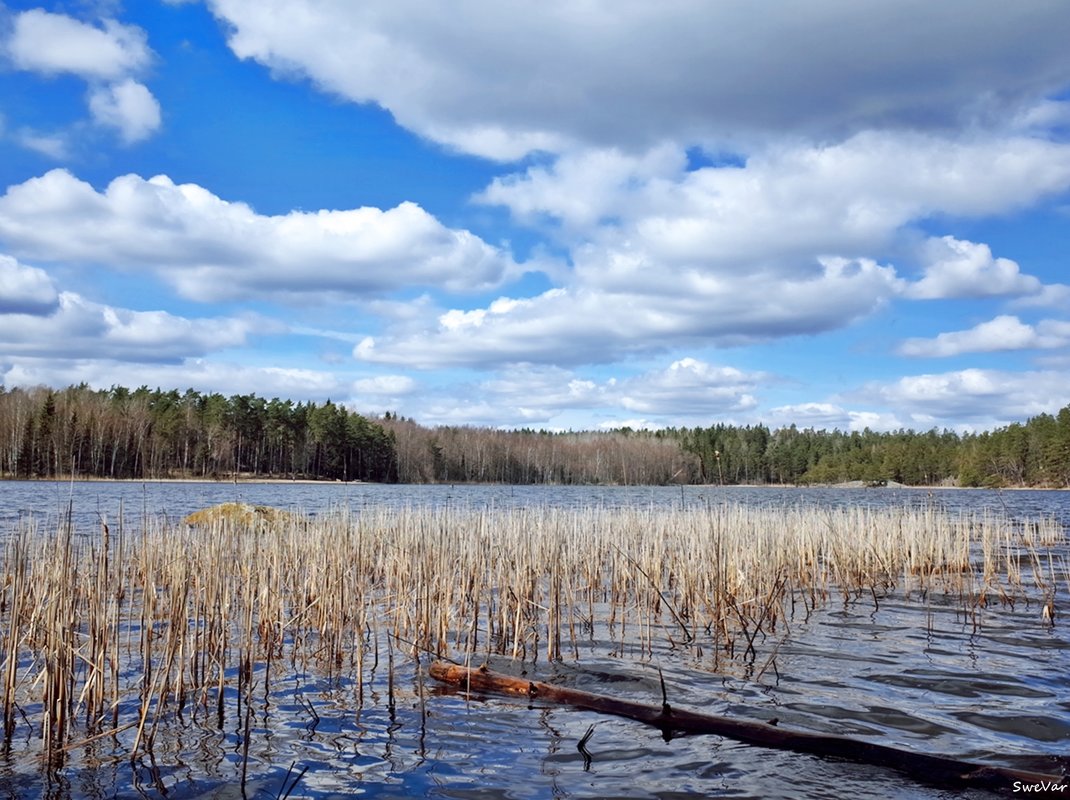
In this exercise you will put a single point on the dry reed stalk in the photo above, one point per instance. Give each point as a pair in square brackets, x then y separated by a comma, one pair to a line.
[172, 614]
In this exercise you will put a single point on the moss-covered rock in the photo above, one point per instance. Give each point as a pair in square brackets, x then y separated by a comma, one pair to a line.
[243, 515]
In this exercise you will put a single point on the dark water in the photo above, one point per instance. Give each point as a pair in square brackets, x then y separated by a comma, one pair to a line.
[921, 676]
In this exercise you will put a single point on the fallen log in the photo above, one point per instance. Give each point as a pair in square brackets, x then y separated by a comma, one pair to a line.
[930, 769]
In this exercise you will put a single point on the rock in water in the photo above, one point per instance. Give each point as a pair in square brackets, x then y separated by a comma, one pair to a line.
[243, 515]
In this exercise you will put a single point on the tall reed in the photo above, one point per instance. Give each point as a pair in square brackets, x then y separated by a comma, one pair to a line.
[125, 631]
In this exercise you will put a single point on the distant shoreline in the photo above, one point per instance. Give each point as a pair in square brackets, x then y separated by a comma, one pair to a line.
[249, 479]
[214, 481]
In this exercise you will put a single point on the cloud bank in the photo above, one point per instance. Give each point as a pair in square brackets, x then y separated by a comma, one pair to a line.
[211, 249]
[734, 215]
[504, 79]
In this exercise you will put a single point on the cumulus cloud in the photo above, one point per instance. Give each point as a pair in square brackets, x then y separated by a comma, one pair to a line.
[744, 252]
[520, 395]
[689, 387]
[77, 328]
[977, 398]
[539, 392]
[831, 416]
[958, 268]
[208, 376]
[503, 78]
[467, 410]
[211, 249]
[545, 396]
[810, 415]
[393, 385]
[584, 326]
[1003, 333]
[25, 289]
[845, 198]
[694, 213]
[105, 55]
[1053, 295]
[533, 394]
[733, 254]
[49, 43]
[127, 106]
[583, 188]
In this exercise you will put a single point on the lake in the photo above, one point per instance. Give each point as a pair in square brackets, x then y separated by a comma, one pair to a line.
[89, 500]
[991, 687]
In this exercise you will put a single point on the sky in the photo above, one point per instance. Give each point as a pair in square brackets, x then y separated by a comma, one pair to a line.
[556, 215]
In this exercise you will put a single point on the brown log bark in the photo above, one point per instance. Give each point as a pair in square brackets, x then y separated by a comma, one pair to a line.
[929, 769]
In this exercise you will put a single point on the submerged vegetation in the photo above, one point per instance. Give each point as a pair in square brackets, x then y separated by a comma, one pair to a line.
[120, 634]
[146, 434]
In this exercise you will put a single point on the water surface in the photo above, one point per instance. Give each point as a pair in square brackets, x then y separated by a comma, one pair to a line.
[133, 500]
[992, 687]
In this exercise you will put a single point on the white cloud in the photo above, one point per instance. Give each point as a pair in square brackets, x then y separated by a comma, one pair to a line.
[830, 416]
[586, 326]
[877, 421]
[635, 423]
[25, 289]
[1053, 333]
[106, 56]
[975, 398]
[809, 415]
[687, 390]
[393, 385]
[964, 400]
[540, 392]
[208, 376]
[689, 387]
[212, 249]
[1054, 295]
[1043, 117]
[737, 250]
[839, 199]
[465, 410]
[54, 43]
[54, 145]
[964, 269]
[1003, 333]
[127, 106]
[735, 254]
[583, 187]
[1060, 361]
[77, 328]
[503, 78]
[825, 159]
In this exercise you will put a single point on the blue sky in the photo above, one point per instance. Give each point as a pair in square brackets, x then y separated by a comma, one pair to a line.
[558, 215]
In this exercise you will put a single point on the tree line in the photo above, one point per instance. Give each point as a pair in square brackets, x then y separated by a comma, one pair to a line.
[1034, 453]
[458, 454]
[119, 433]
[147, 434]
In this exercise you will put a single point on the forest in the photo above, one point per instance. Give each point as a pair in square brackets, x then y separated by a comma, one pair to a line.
[144, 433]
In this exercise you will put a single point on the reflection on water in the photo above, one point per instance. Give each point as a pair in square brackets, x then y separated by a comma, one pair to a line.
[990, 686]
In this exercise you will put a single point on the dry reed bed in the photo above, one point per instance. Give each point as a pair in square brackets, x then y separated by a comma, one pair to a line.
[112, 632]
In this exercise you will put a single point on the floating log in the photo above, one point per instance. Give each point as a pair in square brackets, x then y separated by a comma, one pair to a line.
[929, 769]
